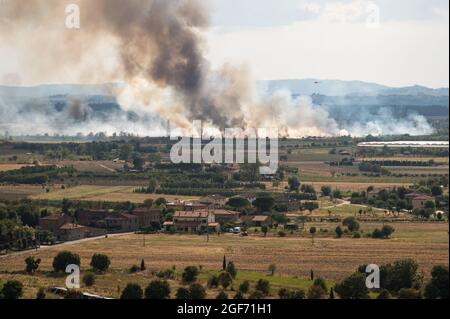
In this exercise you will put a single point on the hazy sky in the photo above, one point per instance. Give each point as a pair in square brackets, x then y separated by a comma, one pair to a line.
[392, 42]
[335, 39]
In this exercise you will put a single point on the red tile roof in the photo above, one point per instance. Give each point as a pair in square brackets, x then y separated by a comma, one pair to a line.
[224, 212]
[71, 226]
[193, 214]
[260, 218]
[423, 197]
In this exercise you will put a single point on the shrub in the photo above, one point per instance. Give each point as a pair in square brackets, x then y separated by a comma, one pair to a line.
[377, 234]
[100, 262]
[182, 294]
[74, 294]
[157, 290]
[437, 288]
[63, 259]
[387, 231]
[298, 294]
[353, 287]
[32, 264]
[12, 289]
[244, 287]
[231, 269]
[316, 292]
[213, 282]
[351, 224]
[134, 269]
[167, 274]
[409, 293]
[321, 283]
[401, 274]
[256, 295]
[41, 294]
[222, 295]
[239, 296]
[339, 232]
[357, 235]
[89, 279]
[281, 234]
[132, 292]
[190, 274]
[197, 292]
[263, 286]
[384, 294]
[272, 269]
[225, 279]
[384, 233]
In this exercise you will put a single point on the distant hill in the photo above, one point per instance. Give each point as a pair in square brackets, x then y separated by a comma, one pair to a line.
[333, 88]
[345, 88]
[338, 97]
[55, 89]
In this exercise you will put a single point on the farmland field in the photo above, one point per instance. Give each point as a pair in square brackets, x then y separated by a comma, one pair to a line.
[104, 193]
[10, 167]
[93, 166]
[345, 186]
[13, 192]
[294, 256]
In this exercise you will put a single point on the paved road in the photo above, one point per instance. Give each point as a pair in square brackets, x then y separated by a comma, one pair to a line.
[69, 243]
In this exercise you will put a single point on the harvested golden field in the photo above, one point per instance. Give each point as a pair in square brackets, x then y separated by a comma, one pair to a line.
[440, 170]
[106, 194]
[405, 158]
[10, 167]
[344, 186]
[330, 258]
[93, 166]
[14, 192]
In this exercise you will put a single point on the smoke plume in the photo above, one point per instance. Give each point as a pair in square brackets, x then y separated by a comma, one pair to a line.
[155, 49]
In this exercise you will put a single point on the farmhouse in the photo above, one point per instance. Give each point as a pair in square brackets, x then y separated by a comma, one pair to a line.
[53, 223]
[93, 218]
[225, 216]
[213, 201]
[177, 205]
[188, 206]
[261, 220]
[70, 232]
[255, 221]
[148, 217]
[63, 228]
[122, 222]
[194, 221]
[420, 201]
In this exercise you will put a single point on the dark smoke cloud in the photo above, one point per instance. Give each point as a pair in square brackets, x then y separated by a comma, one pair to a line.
[154, 47]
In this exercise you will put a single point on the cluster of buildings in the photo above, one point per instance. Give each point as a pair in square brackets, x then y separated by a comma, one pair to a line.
[212, 220]
[90, 223]
[415, 200]
[207, 214]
